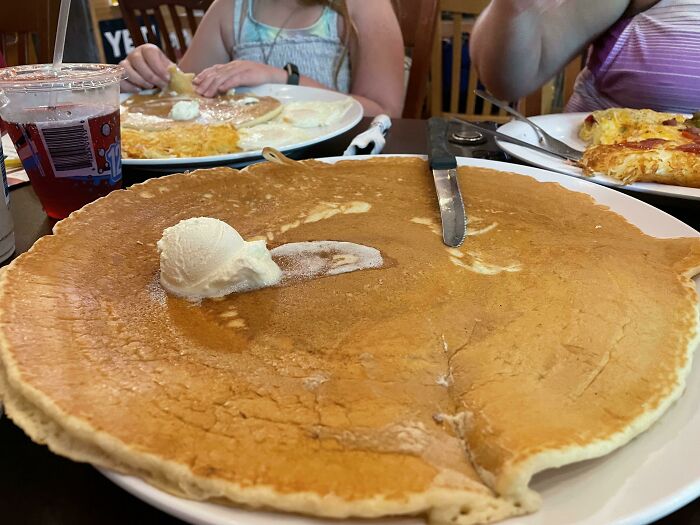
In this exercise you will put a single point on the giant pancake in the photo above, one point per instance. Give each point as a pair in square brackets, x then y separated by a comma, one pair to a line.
[437, 384]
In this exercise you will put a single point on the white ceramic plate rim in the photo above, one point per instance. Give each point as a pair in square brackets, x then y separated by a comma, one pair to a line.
[643, 481]
[564, 126]
[285, 93]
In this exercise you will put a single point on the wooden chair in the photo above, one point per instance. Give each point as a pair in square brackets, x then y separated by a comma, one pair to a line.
[177, 10]
[463, 14]
[28, 31]
[417, 19]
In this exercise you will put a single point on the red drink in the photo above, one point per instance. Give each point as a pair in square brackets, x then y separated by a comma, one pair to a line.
[71, 153]
[65, 126]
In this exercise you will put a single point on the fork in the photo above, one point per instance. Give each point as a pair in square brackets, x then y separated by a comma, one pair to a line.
[544, 138]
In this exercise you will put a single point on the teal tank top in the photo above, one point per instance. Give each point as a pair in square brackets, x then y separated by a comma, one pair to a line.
[317, 50]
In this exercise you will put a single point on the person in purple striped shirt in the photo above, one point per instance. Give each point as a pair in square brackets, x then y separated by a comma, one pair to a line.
[641, 53]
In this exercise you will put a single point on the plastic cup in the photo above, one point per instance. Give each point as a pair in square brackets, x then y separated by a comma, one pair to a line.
[7, 227]
[65, 127]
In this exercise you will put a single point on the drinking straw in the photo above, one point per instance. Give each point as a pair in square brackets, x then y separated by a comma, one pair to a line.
[61, 34]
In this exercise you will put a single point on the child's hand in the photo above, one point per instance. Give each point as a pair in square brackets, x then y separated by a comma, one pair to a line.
[222, 77]
[146, 68]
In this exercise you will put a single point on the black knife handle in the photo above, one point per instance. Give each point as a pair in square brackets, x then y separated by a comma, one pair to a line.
[439, 156]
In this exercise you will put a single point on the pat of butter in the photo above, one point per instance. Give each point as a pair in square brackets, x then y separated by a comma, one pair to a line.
[185, 110]
[247, 101]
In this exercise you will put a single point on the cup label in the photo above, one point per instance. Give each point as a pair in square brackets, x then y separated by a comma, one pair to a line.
[69, 149]
[5, 186]
[87, 148]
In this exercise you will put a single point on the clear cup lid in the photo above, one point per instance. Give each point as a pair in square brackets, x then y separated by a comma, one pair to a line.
[42, 77]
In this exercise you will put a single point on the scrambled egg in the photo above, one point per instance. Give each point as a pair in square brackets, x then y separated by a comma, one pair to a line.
[183, 140]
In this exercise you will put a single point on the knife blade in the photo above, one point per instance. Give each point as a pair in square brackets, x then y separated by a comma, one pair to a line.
[444, 168]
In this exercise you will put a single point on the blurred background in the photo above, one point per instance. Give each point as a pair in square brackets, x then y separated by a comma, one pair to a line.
[439, 76]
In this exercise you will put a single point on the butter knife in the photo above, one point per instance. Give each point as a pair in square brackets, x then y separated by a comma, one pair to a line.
[444, 167]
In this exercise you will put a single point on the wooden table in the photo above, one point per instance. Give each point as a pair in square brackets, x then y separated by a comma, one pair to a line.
[40, 488]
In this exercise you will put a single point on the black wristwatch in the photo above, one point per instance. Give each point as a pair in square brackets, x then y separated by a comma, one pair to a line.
[292, 74]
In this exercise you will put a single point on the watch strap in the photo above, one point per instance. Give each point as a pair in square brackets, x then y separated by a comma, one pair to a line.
[292, 74]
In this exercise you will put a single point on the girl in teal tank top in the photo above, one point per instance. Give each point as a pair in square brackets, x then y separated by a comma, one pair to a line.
[351, 46]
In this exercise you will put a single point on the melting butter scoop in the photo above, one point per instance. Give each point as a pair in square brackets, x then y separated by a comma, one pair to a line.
[203, 257]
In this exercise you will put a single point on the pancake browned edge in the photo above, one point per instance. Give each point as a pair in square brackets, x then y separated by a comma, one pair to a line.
[559, 332]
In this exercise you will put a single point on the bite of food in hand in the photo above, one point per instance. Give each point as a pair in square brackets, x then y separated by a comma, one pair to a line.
[180, 83]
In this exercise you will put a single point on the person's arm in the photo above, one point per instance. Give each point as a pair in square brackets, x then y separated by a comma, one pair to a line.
[212, 40]
[517, 45]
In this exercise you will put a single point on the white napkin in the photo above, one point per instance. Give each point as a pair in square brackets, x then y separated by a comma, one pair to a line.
[14, 175]
[374, 134]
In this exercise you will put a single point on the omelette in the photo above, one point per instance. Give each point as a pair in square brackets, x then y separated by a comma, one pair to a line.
[615, 125]
[641, 145]
[436, 384]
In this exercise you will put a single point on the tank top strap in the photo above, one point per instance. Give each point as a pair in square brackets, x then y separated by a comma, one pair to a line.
[240, 11]
[330, 18]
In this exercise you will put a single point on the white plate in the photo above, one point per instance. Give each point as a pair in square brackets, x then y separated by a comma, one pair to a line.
[648, 478]
[565, 126]
[285, 94]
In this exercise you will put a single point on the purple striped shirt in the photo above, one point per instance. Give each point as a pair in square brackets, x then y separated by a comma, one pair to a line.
[651, 60]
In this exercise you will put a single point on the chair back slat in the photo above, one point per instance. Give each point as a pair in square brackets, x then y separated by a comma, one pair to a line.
[179, 32]
[417, 21]
[23, 48]
[436, 72]
[467, 7]
[471, 86]
[165, 35]
[150, 31]
[131, 19]
[571, 72]
[456, 63]
[532, 104]
[192, 20]
[130, 11]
